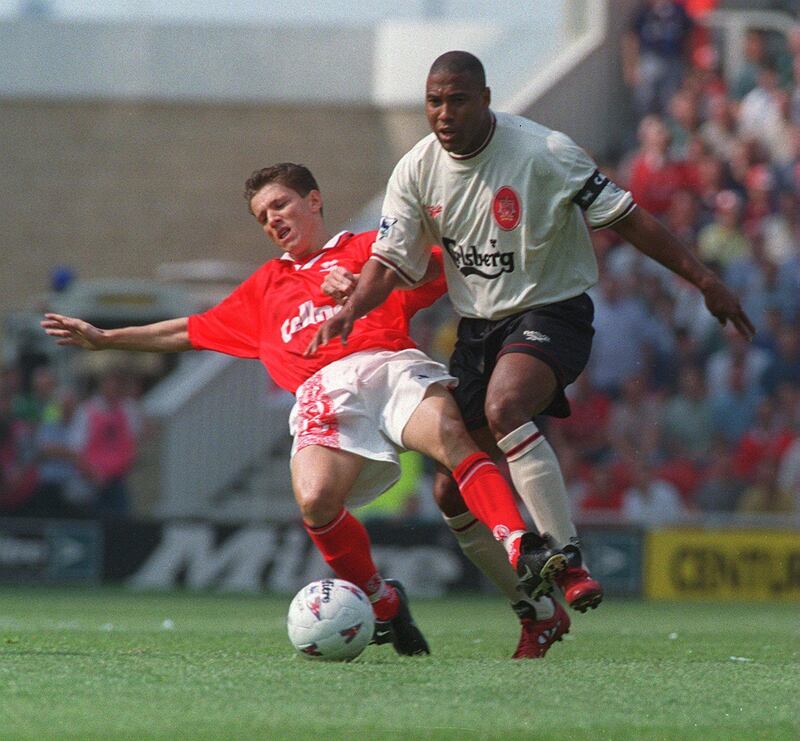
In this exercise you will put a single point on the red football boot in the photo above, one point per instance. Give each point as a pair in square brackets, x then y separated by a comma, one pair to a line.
[538, 635]
[580, 590]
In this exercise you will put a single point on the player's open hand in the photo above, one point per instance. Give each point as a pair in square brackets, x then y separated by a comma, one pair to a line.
[725, 306]
[339, 325]
[339, 283]
[71, 331]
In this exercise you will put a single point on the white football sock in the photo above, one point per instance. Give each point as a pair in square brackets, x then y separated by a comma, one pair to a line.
[537, 477]
[478, 545]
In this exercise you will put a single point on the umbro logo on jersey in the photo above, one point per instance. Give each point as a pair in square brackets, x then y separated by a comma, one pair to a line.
[534, 336]
[490, 264]
[387, 222]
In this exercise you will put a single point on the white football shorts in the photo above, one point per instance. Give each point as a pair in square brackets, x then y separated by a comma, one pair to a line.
[361, 404]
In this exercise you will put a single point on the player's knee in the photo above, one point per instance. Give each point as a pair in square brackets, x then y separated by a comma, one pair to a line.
[506, 413]
[318, 506]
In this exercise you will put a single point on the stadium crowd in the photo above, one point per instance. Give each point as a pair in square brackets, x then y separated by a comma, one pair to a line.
[671, 417]
[64, 453]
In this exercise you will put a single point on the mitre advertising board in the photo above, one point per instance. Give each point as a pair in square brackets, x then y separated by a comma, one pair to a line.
[275, 557]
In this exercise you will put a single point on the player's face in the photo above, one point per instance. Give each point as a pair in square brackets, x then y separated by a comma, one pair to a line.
[290, 220]
[457, 108]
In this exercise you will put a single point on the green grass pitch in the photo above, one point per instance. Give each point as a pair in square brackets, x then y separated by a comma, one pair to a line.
[108, 664]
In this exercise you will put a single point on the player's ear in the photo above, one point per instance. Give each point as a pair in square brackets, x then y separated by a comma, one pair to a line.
[315, 201]
[487, 96]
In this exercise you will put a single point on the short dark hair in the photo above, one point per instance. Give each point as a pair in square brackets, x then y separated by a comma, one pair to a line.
[288, 174]
[460, 63]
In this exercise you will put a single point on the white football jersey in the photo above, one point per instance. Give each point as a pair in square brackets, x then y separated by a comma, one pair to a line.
[509, 217]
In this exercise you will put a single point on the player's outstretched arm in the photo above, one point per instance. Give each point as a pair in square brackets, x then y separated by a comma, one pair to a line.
[171, 335]
[650, 237]
[374, 285]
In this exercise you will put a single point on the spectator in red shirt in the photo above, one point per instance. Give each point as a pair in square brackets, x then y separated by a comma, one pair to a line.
[766, 439]
[603, 493]
[655, 176]
[104, 438]
[760, 188]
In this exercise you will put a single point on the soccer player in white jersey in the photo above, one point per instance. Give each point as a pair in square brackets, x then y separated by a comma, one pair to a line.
[509, 199]
[356, 404]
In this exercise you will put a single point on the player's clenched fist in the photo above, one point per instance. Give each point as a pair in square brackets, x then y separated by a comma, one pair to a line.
[71, 331]
[339, 283]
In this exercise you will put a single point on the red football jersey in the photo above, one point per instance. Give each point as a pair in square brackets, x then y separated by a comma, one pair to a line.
[274, 314]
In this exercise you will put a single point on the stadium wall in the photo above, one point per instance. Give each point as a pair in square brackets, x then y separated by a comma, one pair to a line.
[114, 188]
[578, 95]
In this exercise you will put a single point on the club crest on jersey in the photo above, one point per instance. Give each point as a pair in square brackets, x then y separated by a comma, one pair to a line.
[387, 222]
[506, 208]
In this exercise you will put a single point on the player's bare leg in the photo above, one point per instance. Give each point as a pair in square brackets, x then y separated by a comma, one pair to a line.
[322, 478]
[521, 387]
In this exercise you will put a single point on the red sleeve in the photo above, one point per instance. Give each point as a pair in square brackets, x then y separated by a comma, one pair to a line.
[418, 298]
[233, 325]
[361, 244]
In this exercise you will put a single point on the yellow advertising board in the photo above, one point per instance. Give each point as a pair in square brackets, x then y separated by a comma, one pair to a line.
[722, 565]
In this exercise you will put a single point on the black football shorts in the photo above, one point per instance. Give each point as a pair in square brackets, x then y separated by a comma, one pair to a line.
[559, 334]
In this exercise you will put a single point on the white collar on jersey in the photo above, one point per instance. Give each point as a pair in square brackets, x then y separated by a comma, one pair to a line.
[332, 242]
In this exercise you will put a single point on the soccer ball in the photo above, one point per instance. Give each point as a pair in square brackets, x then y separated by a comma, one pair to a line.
[331, 620]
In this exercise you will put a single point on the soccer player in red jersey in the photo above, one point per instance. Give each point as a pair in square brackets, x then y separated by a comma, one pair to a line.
[357, 404]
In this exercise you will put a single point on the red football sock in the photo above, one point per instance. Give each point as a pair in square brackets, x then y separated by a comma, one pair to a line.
[491, 500]
[344, 544]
